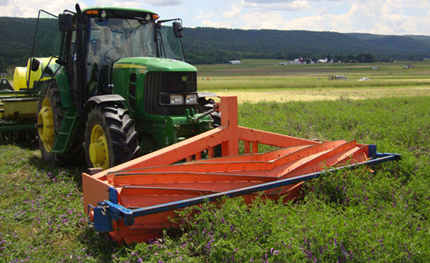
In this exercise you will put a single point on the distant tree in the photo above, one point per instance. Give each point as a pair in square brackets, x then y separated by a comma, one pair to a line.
[369, 58]
[3, 65]
[338, 58]
[364, 58]
[350, 57]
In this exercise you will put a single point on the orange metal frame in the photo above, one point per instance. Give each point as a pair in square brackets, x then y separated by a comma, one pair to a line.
[156, 179]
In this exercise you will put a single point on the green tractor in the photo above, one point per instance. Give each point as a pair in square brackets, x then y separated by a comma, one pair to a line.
[118, 89]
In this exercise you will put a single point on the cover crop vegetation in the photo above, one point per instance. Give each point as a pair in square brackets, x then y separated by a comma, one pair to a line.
[354, 216]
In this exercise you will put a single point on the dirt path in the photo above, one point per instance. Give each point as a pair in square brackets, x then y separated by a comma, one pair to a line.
[323, 94]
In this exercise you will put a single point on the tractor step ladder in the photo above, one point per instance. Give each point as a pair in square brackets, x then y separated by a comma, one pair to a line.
[66, 131]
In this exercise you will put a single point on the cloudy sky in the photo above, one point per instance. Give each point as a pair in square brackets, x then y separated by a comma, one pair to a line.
[394, 17]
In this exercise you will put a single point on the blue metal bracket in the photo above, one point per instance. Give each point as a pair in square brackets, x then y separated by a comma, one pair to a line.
[113, 195]
[102, 218]
[372, 151]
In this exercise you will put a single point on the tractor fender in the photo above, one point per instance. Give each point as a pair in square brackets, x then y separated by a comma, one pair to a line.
[100, 99]
[63, 83]
[97, 100]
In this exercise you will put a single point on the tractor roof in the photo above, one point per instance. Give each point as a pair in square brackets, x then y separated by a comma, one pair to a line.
[120, 12]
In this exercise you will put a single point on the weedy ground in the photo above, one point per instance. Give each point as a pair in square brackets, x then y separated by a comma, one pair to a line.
[351, 216]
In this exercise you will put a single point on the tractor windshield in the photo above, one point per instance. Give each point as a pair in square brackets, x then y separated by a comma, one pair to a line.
[116, 38]
[112, 39]
[169, 46]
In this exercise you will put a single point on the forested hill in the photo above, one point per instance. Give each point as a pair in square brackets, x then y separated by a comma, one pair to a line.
[16, 39]
[213, 45]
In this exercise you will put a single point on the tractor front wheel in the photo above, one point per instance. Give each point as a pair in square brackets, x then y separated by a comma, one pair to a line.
[110, 137]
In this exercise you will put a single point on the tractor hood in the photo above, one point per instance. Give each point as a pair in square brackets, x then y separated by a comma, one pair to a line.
[154, 64]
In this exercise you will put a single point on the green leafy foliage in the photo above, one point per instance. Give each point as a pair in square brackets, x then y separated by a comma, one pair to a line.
[17, 39]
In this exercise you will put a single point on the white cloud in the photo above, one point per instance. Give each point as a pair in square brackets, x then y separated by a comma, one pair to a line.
[163, 2]
[30, 8]
[257, 20]
[392, 6]
[267, 1]
[217, 24]
[370, 16]
[322, 10]
[379, 17]
[125, 3]
[233, 12]
[274, 5]
[131, 4]
[144, 2]
[201, 15]
[417, 4]
[376, 16]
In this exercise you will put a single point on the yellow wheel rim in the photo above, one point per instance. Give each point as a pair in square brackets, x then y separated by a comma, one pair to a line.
[45, 120]
[98, 150]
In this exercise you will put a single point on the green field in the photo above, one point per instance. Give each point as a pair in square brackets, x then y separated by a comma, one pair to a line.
[360, 215]
[256, 80]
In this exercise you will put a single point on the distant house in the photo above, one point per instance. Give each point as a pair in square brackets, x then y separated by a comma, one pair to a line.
[322, 60]
[297, 61]
[2, 74]
[234, 62]
[408, 66]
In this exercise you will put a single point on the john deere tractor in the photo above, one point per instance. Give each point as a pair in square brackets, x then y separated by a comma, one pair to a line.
[119, 88]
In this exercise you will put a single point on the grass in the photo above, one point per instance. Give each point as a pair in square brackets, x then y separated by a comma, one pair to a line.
[308, 82]
[267, 80]
[268, 75]
[353, 216]
[272, 67]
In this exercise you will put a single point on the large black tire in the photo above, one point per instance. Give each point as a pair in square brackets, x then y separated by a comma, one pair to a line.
[206, 105]
[110, 137]
[50, 109]
[216, 116]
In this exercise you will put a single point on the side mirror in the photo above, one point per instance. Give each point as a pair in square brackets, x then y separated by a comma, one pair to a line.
[35, 63]
[178, 29]
[65, 22]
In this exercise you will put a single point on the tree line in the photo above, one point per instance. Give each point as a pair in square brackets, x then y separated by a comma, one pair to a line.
[218, 45]
[212, 45]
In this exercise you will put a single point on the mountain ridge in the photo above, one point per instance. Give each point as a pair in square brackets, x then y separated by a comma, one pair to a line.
[205, 45]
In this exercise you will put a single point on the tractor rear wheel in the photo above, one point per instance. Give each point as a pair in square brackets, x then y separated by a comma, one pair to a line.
[49, 119]
[110, 137]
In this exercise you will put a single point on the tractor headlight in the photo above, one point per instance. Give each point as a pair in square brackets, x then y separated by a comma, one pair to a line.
[166, 99]
[191, 99]
[176, 99]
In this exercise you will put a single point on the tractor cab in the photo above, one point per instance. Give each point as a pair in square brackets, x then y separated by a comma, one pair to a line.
[111, 34]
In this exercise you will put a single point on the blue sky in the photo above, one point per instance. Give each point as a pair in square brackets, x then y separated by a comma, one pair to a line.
[394, 17]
